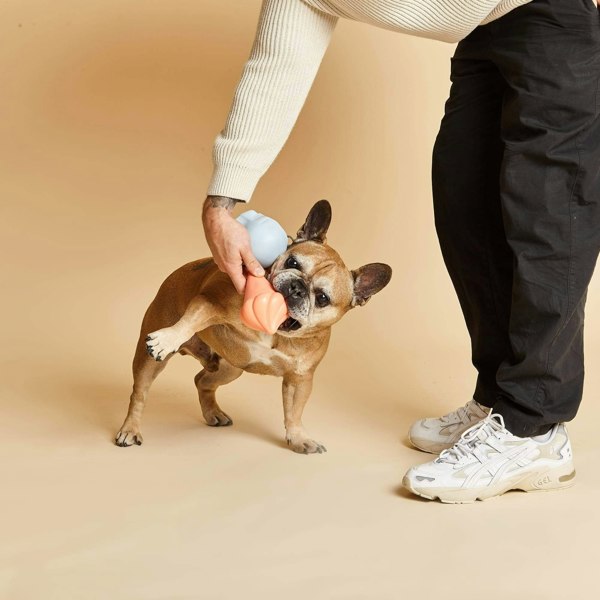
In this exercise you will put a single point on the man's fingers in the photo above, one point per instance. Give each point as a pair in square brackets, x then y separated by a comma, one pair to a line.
[237, 277]
[251, 263]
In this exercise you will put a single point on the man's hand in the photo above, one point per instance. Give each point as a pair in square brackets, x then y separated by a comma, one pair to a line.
[228, 240]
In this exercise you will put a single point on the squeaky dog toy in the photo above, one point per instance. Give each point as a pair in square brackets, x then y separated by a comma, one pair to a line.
[263, 308]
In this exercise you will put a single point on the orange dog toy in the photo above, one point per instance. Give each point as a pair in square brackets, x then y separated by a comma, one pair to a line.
[263, 309]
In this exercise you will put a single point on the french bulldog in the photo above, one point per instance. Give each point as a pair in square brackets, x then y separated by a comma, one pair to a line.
[197, 312]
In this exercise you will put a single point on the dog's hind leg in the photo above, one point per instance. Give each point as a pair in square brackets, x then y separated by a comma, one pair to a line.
[207, 383]
[145, 371]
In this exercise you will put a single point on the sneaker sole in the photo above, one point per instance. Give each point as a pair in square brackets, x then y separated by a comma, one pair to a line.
[546, 480]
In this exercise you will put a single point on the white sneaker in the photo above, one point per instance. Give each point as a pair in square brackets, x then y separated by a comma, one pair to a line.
[488, 461]
[435, 435]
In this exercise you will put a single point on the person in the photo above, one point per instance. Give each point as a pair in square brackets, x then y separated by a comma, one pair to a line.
[516, 184]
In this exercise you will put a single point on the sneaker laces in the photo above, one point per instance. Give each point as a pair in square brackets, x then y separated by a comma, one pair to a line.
[462, 413]
[492, 425]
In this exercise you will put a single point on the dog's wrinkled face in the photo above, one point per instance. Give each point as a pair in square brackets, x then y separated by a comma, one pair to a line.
[317, 286]
[315, 283]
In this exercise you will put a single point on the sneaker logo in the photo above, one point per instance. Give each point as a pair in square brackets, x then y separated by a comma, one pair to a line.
[449, 429]
[543, 481]
[423, 478]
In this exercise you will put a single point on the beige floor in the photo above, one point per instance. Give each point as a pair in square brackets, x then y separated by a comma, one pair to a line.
[109, 111]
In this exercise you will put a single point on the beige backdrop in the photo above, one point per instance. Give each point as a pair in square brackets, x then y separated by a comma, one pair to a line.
[108, 114]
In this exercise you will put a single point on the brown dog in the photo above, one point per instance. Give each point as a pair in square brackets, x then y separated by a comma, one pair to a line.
[197, 312]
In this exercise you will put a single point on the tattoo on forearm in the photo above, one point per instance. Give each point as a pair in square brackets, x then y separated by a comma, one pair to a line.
[223, 201]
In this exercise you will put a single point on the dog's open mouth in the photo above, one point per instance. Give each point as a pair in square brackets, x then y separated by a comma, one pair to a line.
[290, 324]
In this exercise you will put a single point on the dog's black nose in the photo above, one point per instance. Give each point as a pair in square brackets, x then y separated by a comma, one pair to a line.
[297, 289]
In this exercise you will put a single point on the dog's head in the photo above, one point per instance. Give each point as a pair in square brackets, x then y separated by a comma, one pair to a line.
[317, 286]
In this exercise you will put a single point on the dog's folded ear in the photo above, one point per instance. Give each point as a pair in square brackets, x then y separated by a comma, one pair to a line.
[316, 224]
[368, 280]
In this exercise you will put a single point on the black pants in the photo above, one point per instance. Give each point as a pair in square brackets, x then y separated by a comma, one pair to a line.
[516, 192]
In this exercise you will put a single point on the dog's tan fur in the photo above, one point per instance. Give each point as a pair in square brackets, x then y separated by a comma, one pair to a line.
[197, 312]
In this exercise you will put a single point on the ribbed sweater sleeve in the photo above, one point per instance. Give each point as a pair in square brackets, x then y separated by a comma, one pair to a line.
[290, 42]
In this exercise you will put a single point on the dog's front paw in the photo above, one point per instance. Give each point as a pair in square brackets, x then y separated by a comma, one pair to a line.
[161, 343]
[217, 418]
[304, 445]
[128, 437]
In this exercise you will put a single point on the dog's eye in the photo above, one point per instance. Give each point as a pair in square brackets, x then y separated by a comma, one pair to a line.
[321, 299]
[292, 263]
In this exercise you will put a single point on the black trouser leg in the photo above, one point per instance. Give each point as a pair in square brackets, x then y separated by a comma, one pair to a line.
[467, 155]
[547, 53]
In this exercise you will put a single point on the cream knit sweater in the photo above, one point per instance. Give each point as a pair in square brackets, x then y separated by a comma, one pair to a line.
[291, 39]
